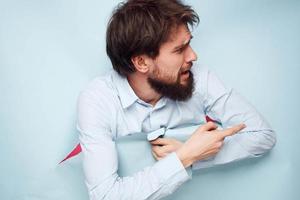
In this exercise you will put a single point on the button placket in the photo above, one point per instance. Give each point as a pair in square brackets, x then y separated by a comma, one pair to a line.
[155, 122]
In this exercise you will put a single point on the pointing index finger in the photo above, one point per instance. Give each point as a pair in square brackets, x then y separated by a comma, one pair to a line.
[233, 130]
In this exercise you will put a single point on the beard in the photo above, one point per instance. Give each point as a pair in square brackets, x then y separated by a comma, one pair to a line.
[175, 91]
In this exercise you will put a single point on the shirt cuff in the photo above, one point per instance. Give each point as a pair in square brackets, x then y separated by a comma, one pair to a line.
[201, 164]
[171, 167]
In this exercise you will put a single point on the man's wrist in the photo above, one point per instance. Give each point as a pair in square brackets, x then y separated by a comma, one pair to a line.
[185, 159]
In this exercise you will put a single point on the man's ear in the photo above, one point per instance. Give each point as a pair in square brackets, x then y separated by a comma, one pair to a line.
[141, 63]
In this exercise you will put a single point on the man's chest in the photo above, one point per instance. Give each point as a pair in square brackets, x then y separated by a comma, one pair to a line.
[141, 118]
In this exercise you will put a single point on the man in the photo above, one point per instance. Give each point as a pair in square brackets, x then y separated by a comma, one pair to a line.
[154, 84]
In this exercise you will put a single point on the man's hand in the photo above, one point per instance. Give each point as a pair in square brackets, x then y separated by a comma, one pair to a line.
[163, 146]
[206, 141]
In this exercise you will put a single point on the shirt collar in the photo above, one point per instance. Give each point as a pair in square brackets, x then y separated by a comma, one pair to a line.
[125, 92]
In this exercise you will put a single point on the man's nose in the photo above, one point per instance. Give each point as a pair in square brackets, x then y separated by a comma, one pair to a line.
[190, 55]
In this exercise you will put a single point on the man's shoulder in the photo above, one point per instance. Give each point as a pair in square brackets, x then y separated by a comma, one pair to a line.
[200, 73]
[100, 89]
[208, 84]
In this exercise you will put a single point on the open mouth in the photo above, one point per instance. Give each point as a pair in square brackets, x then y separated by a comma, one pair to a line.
[185, 72]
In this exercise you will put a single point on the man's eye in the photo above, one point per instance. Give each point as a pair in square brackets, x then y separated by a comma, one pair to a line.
[180, 50]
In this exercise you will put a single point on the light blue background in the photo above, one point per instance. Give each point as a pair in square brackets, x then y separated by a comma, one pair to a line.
[49, 50]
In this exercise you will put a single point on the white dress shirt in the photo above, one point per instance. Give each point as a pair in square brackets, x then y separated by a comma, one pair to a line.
[108, 109]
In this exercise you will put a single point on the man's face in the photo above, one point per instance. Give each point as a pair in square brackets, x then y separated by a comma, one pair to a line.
[170, 73]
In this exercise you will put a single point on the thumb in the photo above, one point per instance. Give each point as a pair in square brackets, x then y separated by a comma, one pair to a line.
[207, 127]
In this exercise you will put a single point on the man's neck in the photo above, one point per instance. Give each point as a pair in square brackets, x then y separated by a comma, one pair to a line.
[142, 88]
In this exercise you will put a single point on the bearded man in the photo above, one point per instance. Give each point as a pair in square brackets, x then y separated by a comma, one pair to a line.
[154, 84]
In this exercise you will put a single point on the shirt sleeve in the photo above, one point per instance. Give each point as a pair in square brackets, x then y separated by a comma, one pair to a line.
[229, 108]
[100, 162]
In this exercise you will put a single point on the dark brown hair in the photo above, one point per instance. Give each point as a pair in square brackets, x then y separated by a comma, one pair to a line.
[140, 27]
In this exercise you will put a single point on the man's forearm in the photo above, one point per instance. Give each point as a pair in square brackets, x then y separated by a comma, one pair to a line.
[240, 146]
